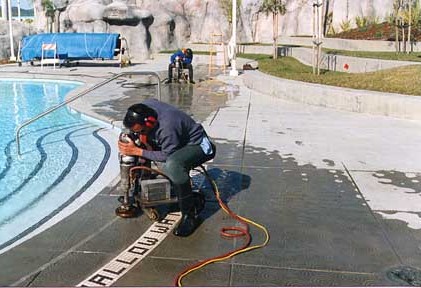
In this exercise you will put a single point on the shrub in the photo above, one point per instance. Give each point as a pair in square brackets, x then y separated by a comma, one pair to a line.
[374, 20]
[378, 35]
[362, 22]
[345, 25]
[390, 18]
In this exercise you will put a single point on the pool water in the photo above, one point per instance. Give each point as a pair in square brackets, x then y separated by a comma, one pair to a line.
[62, 156]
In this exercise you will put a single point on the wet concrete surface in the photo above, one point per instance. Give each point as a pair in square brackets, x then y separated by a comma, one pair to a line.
[198, 100]
[326, 184]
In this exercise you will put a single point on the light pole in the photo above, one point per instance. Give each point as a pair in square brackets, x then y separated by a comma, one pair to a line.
[19, 10]
[234, 71]
[12, 48]
[35, 10]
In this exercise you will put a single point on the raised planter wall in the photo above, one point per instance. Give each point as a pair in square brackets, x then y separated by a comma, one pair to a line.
[361, 101]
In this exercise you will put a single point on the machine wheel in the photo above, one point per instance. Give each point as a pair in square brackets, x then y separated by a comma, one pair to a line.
[152, 213]
[126, 211]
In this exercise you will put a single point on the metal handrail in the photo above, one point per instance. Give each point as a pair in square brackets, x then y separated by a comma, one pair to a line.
[71, 99]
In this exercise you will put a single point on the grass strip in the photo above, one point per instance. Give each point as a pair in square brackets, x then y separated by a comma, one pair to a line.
[414, 56]
[402, 80]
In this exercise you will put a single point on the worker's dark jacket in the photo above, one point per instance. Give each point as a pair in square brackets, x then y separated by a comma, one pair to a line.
[175, 129]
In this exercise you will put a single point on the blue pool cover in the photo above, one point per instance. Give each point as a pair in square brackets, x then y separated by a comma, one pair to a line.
[71, 46]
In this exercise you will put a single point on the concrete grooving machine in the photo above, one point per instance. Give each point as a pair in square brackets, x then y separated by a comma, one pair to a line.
[143, 187]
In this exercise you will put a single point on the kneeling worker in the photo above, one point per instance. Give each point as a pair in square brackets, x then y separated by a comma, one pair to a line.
[181, 143]
[186, 57]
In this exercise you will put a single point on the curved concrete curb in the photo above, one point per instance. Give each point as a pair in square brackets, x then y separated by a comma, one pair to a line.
[335, 62]
[362, 101]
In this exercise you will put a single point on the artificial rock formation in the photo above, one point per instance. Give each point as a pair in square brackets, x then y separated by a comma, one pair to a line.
[154, 25]
[19, 30]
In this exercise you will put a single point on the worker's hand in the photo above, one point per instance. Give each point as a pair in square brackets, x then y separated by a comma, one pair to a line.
[129, 148]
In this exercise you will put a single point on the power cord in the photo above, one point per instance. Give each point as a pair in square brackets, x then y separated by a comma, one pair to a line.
[228, 232]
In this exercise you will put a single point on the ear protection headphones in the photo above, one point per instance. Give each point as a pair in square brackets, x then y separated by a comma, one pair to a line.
[150, 121]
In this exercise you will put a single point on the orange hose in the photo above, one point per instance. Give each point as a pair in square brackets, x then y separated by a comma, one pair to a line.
[228, 232]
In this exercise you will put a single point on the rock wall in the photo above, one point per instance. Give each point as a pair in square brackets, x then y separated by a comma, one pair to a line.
[298, 19]
[154, 25]
[348, 10]
[19, 30]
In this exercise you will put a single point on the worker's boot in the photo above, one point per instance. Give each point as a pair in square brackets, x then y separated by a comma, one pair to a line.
[199, 202]
[189, 207]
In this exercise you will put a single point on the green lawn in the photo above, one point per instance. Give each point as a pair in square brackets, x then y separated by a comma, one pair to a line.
[415, 56]
[404, 80]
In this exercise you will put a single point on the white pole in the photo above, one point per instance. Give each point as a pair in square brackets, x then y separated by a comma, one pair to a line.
[19, 10]
[35, 10]
[12, 49]
[234, 71]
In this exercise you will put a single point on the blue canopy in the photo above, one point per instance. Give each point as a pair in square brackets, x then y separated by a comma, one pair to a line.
[71, 46]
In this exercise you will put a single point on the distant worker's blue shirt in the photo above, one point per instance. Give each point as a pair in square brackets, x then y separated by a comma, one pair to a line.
[183, 57]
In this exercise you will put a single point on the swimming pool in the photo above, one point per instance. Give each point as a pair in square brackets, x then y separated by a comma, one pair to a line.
[63, 154]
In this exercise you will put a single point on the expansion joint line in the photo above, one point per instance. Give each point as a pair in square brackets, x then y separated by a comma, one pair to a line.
[245, 134]
[243, 151]
[374, 216]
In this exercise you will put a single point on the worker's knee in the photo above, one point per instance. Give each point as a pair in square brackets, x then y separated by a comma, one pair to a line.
[176, 171]
[171, 165]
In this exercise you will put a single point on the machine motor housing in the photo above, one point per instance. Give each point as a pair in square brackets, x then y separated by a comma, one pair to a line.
[158, 189]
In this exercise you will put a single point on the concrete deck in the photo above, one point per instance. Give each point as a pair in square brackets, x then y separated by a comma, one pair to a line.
[338, 191]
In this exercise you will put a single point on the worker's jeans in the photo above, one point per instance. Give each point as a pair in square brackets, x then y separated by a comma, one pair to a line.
[177, 168]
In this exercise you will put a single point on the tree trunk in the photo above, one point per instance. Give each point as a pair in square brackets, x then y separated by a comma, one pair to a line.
[403, 37]
[275, 32]
[396, 27]
[326, 18]
[254, 21]
[49, 25]
[57, 21]
[409, 26]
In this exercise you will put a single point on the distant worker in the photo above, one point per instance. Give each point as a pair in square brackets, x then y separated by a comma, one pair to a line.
[185, 56]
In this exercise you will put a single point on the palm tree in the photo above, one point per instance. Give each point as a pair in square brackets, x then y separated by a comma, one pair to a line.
[49, 9]
[275, 7]
[226, 6]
